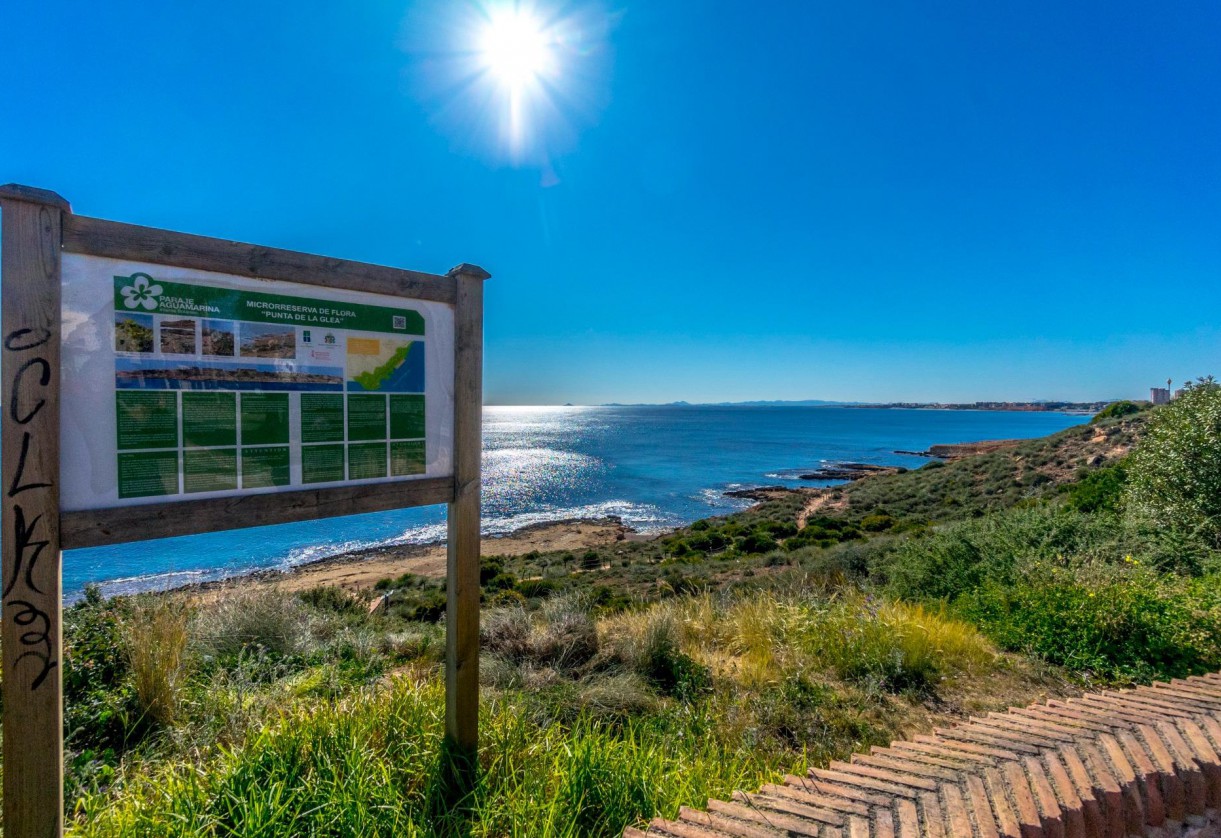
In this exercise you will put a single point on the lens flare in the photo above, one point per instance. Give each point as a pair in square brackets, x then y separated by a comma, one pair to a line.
[515, 78]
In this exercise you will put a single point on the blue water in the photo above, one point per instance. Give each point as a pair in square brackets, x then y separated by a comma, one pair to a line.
[654, 467]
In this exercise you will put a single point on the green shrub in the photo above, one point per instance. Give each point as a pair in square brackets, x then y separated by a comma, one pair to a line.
[957, 558]
[101, 712]
[422, 605]
[489, 568]
[1174, 474]
[407, 580]
[757, 542]
[877, 522]
[1116, 410]
[499, 582]
[333, 599]
[1098, 490]
[1119, 623]
[536, 588]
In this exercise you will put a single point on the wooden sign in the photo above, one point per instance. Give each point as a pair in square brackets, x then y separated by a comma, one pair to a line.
[160, 384]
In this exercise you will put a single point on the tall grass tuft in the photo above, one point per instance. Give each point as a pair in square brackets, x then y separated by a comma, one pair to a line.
[155, 640]
[264, 619]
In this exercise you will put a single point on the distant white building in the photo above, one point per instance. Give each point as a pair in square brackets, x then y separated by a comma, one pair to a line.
[1159, 395]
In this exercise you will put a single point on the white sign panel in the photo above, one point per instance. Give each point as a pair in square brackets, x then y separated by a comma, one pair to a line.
[182, 384]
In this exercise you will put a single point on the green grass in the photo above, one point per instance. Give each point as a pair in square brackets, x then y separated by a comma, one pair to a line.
[367, 765]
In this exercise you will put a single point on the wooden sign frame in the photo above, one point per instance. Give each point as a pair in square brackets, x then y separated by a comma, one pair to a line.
[39, 226]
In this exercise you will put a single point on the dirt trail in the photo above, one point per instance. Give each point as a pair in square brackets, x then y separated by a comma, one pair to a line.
[824, 500]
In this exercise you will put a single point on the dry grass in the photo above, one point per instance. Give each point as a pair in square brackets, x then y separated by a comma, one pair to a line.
[853, 637]
[156, 637]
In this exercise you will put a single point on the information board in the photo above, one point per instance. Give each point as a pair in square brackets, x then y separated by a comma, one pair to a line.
[227, 385]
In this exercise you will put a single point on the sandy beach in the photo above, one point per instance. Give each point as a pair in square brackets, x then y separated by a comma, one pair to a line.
[362, 569]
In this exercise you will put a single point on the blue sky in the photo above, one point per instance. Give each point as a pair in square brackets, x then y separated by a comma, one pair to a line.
[716, 201]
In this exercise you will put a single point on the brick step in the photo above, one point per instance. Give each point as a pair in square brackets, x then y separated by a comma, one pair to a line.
[1114, 764]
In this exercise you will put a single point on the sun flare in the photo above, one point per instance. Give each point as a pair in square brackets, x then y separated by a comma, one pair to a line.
[515, 49]
[517, 78]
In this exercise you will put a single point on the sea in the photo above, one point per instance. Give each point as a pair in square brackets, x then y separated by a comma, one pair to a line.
[654, 467]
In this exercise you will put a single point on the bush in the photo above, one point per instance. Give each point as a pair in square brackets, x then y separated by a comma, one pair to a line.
[1119, 623]
[1098, 490]
[877, 522]
[334, 599]
[893, 644]
[957, 558]
[1116, 410]
[536, 588]
[424, 604]
[100, 708]
[1174, 475]
[757, 542]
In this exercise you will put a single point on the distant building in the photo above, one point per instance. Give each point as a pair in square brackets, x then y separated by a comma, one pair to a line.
[1159, 395]
[1179, 392]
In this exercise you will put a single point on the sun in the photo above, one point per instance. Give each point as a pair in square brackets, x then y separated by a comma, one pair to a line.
[517, 78]
[515, 48]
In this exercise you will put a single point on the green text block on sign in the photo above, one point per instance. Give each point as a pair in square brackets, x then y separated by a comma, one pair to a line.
[406, 417]
[147, 473]
[264, 467]
[366, 461]
[264, 418]
[366, 417]
[209, 470]
[407, 458]
[146, 420]
[321, 463]
[209, 419]
[321, 417]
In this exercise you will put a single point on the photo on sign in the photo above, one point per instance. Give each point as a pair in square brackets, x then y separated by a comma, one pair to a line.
[133, 332]
[167, 374]
[218, 338]
[177, 336]
[260, 340]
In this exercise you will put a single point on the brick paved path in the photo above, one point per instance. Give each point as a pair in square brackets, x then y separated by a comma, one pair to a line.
[1141, 762]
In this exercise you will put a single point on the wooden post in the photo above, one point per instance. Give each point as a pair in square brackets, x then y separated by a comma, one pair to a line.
[462, 586]
[30, 570]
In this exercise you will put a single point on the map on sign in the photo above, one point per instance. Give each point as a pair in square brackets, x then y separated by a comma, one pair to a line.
[378, 365]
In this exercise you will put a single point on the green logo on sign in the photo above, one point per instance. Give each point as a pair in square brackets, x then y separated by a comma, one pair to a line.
[142, 293]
